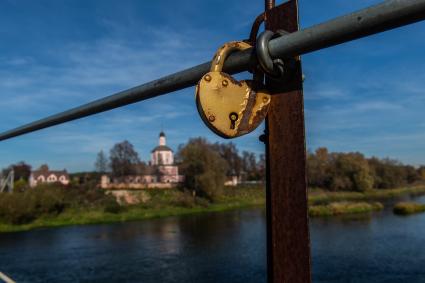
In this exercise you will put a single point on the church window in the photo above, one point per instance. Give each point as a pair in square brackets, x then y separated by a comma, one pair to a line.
[51, 178]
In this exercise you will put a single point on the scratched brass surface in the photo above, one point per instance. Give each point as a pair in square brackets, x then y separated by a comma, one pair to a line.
[229, 107]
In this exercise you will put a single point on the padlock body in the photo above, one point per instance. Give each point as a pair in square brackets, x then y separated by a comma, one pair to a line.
[220, 98]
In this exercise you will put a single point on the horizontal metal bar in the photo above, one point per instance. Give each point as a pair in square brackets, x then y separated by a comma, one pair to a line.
[387, 15]
[375, 19]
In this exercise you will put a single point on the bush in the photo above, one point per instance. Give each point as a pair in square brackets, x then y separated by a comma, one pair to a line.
[16, 211]
[87, 196]
[111, 206]
[406, 208]
[20, 185]
[25, 207]
[52, 199]
[338, 208]
[204, 169]
[184, 200]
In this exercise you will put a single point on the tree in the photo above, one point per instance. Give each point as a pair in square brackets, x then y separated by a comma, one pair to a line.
[250, 166]
[101, 164]
[388, 173]
[318, 168]
[21, 170]
[353, 169]
[44, 167]
[204, 169]
[412, 175]
[339, 171]
[229, 153]
[261, 165]
[421, 173]
[123, 159]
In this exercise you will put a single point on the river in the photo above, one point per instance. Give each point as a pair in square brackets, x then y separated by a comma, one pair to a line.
[215, 247]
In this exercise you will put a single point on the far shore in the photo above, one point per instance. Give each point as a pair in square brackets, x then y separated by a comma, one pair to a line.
[321, 203]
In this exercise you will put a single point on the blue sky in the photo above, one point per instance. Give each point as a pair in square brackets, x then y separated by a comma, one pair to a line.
[365, 96]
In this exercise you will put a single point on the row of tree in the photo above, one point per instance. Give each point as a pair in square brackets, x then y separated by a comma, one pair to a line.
[124, 160]
[22, 171]
[355, 172]
[206, 165]
[244, 165]
[202, 162]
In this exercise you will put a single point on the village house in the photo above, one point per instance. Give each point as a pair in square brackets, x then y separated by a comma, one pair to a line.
[232, 179]
[45, 175]
[161, 171]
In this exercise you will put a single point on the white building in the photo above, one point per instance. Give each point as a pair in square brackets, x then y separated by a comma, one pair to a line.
[162, 161]
[160, 173]
[162, 154]
[44, 175]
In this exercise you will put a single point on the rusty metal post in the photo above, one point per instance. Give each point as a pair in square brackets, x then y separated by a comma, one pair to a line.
[288, 240]
[269, 4]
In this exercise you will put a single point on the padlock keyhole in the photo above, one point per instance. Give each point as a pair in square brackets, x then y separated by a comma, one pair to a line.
[233, 118]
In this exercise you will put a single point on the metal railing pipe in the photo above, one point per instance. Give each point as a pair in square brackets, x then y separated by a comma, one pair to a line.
[375, 19]
[387, 15]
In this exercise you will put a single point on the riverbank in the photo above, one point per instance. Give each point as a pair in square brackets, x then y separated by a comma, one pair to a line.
[175, 203]
[158, 203]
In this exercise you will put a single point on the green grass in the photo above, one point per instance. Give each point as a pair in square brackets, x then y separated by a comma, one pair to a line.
[406, 208]
[339, 208]
[326, 203]
[162, 203]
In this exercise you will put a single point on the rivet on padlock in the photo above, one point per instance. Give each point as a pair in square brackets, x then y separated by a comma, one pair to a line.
[229, 107]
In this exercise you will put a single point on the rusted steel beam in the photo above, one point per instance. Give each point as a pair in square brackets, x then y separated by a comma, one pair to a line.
[269, 4]
[287, 219]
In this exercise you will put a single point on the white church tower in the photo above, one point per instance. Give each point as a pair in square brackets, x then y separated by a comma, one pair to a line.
[162, 154]
[162, 157]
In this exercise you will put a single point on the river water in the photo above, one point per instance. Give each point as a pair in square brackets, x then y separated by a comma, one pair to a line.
[215, 247]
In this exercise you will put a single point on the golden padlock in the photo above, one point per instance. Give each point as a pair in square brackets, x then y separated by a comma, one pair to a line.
[229, 107]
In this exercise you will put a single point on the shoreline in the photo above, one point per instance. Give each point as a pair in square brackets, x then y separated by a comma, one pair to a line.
[94, 217]
[238, 198]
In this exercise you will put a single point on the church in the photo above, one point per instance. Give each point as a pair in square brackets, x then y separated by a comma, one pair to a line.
[162, 161]
[161, 171]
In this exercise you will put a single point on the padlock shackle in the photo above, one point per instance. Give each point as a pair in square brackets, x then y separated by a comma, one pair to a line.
[224, 51]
